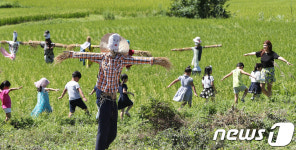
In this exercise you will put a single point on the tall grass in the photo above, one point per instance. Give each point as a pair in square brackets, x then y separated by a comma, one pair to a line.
[158, 35]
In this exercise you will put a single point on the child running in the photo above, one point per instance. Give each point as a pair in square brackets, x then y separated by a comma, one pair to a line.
[238, 85]
[5, 98]
[255, 83]
[124, 100]
[209, 89]
[42, 97]
[98, 94]
[184, 93]
[74, 90]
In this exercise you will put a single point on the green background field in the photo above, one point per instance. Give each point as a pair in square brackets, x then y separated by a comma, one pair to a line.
[146, 26]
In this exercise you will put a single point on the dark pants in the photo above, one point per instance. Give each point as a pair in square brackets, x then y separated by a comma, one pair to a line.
[107, 129]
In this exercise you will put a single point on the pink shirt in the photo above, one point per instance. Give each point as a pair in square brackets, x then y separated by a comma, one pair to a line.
[5, 98]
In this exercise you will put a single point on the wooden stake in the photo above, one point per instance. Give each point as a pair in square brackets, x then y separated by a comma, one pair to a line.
[190, 48]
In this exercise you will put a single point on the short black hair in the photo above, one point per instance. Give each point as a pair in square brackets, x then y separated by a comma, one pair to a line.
[188, 69]
[76, 74]
[4, 83]
[240, 65]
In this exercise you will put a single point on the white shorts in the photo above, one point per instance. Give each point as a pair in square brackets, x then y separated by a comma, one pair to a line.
[7, 110]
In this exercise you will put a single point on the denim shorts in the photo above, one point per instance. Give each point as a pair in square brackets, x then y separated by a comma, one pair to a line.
[7, 110]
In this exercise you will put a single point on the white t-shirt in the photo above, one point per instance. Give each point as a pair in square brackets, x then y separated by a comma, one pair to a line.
[72, 87]
[207, 82]
[256, 74]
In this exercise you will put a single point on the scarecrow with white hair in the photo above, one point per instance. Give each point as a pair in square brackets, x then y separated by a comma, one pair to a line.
[86, 47]
[13, 47]
[48, 48]
[111, 65]
[197, 51]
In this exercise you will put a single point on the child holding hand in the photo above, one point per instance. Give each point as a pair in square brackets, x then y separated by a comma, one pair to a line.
[209, 89]
[238, 85]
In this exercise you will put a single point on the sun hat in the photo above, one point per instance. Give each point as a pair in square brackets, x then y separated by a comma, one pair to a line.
[43, 82]
[197, 40]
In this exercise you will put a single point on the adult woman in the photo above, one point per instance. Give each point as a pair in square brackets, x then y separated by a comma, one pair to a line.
[267, 60]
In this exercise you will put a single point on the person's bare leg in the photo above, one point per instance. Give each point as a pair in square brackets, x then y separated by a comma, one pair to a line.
[122, 113]
[262, 85]
[8, 116]
[235, 98]
[269, 89]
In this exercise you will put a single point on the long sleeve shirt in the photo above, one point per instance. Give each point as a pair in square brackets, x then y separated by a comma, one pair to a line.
[110, 68]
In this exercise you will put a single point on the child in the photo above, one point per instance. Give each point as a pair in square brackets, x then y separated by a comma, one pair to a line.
[42, 97]
[98, 94]
[184, 93]
[255, 83]
[5, 98]
[74, 90]
[238, 85]
[124, 100]
[208, 84]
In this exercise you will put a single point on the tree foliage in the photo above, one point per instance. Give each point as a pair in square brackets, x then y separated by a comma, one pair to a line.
[199, 9]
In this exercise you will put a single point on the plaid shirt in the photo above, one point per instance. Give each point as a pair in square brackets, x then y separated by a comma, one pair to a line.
[110, 68]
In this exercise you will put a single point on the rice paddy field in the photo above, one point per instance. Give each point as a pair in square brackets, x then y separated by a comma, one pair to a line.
[145, 24]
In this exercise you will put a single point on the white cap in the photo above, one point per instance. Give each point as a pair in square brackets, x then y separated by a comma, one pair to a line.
[197, 40]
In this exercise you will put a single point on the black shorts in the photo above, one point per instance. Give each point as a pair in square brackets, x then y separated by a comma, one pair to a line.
[76, 102]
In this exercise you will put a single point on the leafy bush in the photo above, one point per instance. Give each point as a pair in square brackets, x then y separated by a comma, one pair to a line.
[161, 115]
[22, 123]
[199, 9]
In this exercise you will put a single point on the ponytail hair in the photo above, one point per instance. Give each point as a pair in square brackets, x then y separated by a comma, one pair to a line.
[4, 83]
[188, 69]
[208, 71]
[122, 78]
[257, 66]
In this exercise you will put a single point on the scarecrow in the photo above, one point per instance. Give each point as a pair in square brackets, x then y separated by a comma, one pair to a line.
[48, 48]
[86, 47]
[111, 65]
[197, 52]
[137, 53]
[13, 47]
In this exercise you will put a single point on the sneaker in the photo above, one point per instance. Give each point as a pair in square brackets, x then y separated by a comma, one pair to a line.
[243, 100]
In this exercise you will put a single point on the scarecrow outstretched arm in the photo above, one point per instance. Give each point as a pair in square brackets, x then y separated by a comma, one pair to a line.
[95, 57]
[142, 53]
[72, 46]
[162, 61]
[3, 42]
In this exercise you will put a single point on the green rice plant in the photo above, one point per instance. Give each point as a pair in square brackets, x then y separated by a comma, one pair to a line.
[157, 34]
